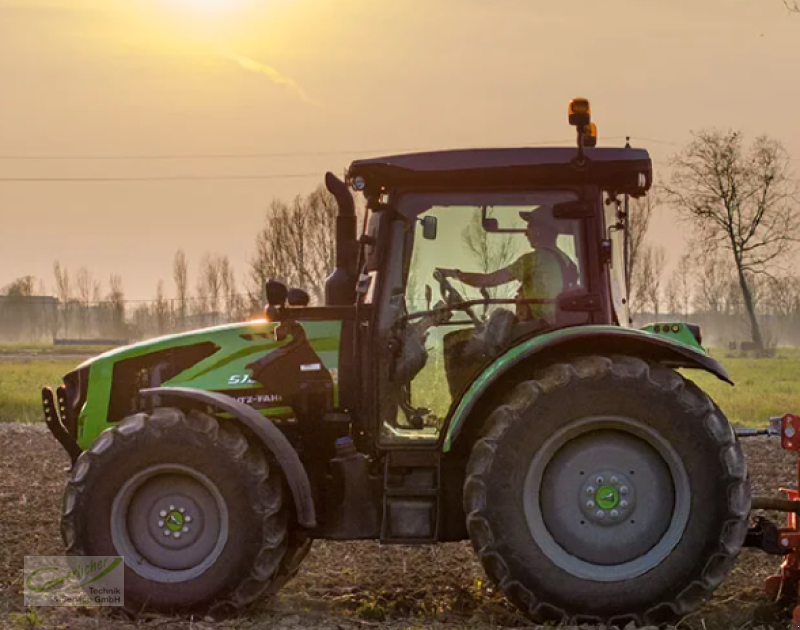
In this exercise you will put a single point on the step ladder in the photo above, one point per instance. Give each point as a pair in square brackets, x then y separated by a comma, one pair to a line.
[411, 501]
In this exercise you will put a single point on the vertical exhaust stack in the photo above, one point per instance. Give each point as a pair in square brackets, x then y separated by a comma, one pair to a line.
[340, 286]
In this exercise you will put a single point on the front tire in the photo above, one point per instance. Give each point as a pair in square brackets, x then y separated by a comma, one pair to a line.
[195, 509]
[607, 491]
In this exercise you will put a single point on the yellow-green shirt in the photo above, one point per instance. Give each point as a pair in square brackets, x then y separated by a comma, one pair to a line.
[540, 275]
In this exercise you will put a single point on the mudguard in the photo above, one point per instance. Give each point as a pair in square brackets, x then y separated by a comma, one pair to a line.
[268, 433]
[582, 340]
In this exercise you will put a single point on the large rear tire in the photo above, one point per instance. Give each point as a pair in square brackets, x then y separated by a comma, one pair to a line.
[195, 509]
[607, 491]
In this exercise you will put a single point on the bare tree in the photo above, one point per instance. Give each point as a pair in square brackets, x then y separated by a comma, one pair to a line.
[741, 200]
[297, 243]
[684, 284]
[671, 295]
[712, 284]
[180, 273]
[640, 212]
[490, 252]
[234, 304]
[63, 292]
[161, 309]
[21, 287]
[210, 283]
[83, 287]
[116, 306]
[650, 268]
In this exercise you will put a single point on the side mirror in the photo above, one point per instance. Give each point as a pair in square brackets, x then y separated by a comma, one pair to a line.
[276, 293]
[298, 297]
[430, 226]
[491, 225]
[573, 210]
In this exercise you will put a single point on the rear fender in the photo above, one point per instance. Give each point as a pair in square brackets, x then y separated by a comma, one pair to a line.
[270, 437]
[567, 343]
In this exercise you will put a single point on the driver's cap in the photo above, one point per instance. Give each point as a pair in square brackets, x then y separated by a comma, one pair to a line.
[543, 214]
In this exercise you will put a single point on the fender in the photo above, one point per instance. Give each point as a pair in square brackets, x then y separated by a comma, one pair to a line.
[268, 433]
[575, 341]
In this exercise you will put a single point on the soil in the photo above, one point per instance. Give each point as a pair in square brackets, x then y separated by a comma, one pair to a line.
[344, 585]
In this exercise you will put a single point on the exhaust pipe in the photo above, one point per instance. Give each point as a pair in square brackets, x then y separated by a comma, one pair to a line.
[340, 286]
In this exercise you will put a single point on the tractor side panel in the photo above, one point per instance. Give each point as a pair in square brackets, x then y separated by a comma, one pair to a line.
[211, 360]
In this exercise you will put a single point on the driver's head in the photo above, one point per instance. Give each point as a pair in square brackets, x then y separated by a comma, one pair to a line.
[542, 229]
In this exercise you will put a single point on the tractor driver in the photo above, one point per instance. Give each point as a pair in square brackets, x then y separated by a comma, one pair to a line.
[542, 273]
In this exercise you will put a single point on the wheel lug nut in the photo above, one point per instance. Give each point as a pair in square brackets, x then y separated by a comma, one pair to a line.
[188, 519]
[614, 514]
[614, 480]
[162, 513]
[166, 532]
[599, 480]
[171, 507]
[177, 534]
[623, 504]
[181, 510]
[161, 523]
[623, 490]
[590, 504]
[600, 514]
[185, 529]
[590, 491]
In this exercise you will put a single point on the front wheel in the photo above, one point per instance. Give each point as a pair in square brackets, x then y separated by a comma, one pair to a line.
[194, 508]
[607, 491]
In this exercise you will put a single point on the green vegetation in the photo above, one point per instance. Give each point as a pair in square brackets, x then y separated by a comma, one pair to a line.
[21, 383]
[764, 387]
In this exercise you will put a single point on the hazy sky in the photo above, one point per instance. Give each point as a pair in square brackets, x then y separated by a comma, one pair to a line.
[329, 81]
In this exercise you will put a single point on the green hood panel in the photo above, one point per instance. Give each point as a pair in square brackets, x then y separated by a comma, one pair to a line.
[223, 370]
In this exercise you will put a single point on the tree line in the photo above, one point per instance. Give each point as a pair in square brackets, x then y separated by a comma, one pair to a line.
[738, 200]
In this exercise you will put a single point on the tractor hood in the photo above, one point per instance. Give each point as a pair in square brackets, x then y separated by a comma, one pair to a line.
[211, 359]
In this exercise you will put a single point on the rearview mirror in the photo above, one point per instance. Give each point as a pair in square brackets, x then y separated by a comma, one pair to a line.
[430, 226]
[276, 293]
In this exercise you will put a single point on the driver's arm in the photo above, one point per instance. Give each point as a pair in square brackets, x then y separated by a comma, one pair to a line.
[481, 280]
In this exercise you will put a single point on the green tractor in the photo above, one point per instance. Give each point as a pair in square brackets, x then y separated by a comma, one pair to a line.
[472, 374]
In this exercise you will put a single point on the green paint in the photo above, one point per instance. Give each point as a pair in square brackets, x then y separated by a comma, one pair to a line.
[607, 497]
[174, 521]
[677, 332]
[530, 347]
[212, 373]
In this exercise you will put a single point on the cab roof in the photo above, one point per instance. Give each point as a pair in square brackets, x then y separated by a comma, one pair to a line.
[623, 170]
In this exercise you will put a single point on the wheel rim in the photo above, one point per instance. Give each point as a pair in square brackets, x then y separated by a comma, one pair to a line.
[607, 498]
[170, 522]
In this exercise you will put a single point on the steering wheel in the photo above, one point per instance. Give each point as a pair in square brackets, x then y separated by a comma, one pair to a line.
[451, 296]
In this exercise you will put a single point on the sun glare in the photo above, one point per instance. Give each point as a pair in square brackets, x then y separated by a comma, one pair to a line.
[211, 6]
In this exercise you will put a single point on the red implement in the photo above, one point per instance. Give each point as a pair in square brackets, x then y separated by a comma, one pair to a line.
[789, 576]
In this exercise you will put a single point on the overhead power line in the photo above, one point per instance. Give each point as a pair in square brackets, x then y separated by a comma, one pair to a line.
[156, 178]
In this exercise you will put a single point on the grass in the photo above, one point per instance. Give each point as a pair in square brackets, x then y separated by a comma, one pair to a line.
[48, 349]
[21, 383]
[764, 387]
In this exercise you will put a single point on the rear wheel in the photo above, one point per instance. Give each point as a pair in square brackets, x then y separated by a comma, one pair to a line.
[195, 509]
[607, 491]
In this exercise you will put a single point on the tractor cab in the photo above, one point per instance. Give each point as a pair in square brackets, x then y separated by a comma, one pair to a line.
[468, 253]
